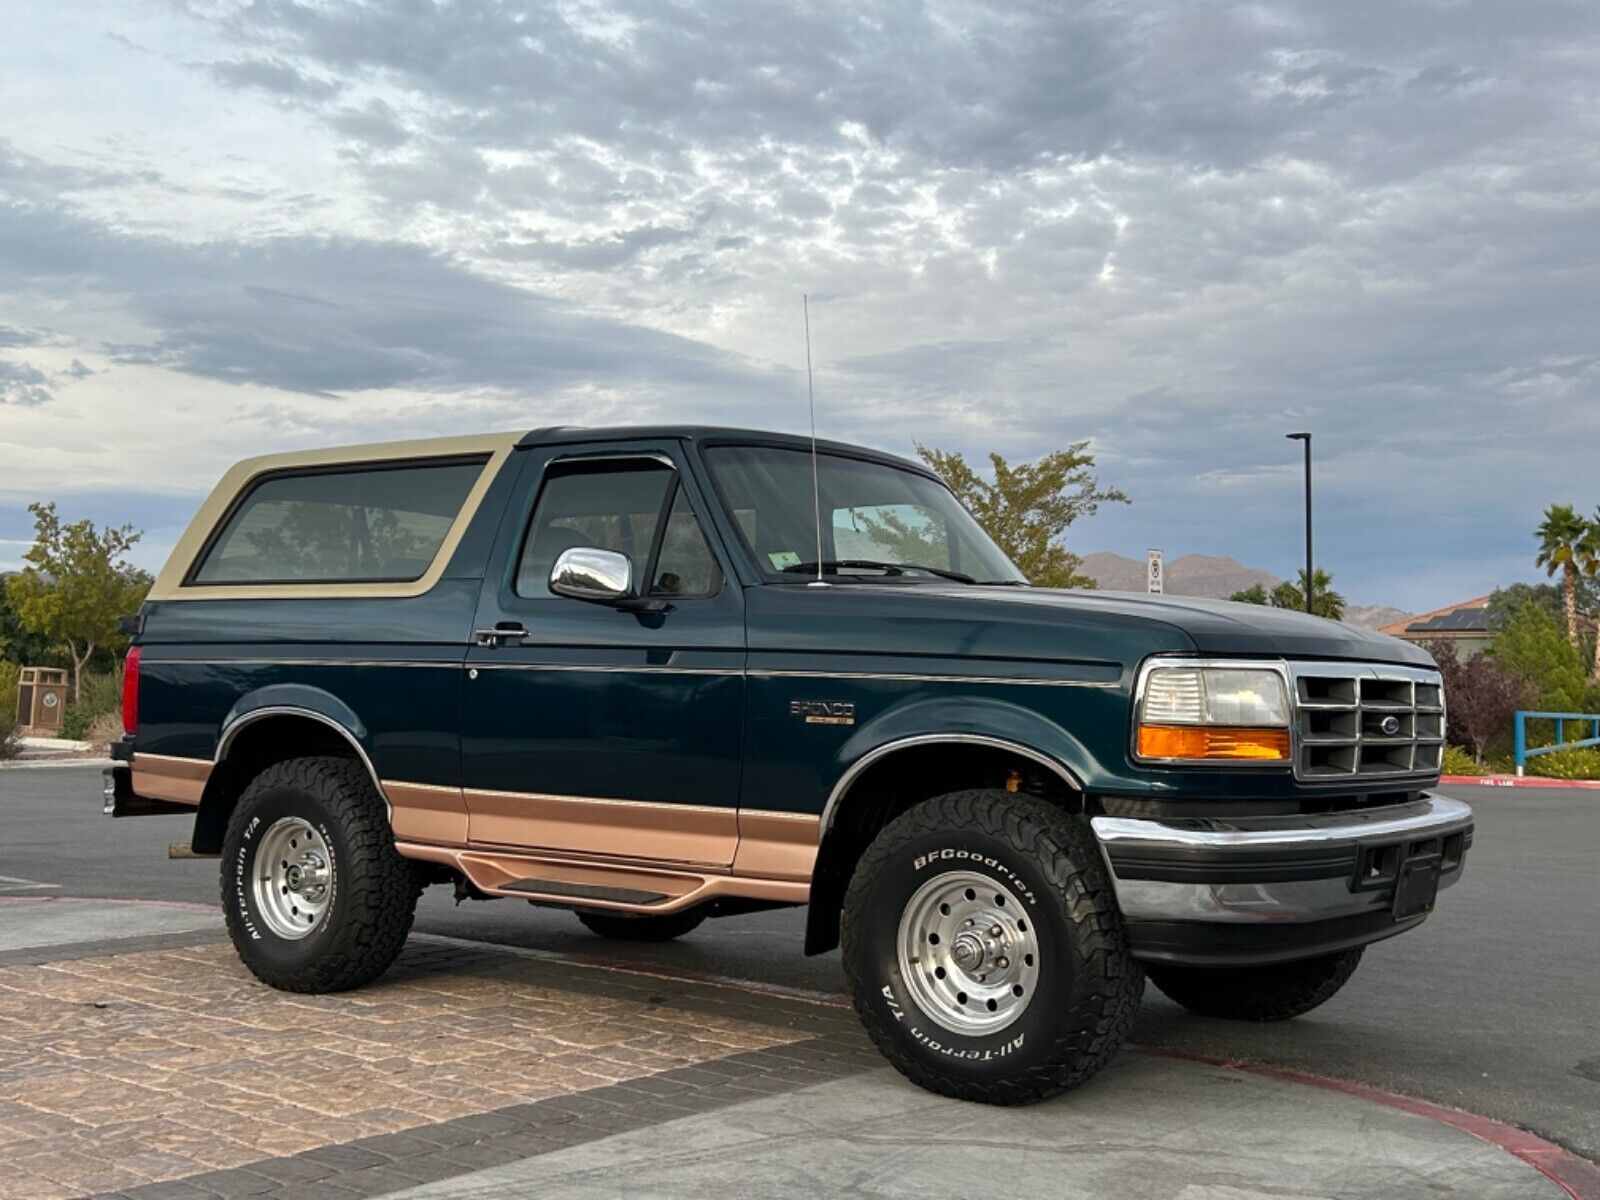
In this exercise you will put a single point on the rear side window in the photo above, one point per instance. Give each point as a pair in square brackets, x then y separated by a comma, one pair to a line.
[378, 524]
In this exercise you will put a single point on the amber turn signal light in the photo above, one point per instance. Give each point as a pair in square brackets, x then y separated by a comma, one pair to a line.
[1213, 743]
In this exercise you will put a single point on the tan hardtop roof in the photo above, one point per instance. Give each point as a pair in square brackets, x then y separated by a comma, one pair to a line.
[170, 584]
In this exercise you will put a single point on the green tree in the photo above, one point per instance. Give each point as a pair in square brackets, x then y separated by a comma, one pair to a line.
[1028, 508]
[21, 645]
[1505, 602]
[74, 585]
[1562, 537]
[1531, 644]
[1325, 603]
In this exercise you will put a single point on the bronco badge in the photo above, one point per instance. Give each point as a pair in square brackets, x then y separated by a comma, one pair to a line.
[823, 712]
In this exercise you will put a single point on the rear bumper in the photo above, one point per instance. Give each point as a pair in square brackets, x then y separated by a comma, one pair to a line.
[1216, 891]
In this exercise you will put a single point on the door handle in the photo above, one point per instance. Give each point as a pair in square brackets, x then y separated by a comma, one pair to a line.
[504, 631]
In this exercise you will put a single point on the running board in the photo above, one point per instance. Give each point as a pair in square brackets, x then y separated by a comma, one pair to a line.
[571, 881]
[584, 891]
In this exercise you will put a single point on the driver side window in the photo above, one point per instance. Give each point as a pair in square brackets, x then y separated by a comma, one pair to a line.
[635, 507]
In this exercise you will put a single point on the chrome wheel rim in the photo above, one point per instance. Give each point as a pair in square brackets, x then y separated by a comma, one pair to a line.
[968, 952]
[293, 882]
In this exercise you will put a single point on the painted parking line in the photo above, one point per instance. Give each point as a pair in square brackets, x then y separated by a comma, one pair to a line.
[10, 883]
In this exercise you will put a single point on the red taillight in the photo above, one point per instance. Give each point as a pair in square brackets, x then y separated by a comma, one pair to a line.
[130, 692]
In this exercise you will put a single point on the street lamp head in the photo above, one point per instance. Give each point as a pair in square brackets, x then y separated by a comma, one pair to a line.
[1298, 437]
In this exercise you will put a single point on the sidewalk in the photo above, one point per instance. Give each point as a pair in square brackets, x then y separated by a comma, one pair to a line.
[138, 1058]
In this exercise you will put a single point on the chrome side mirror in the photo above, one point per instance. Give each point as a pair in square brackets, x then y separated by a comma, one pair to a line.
[588, 573]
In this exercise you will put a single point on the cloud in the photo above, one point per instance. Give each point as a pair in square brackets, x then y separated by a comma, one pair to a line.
[22, 385]
[1175, 230]
[329, 315]
[278, 78]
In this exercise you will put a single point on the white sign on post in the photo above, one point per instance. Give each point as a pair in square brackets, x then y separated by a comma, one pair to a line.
[1152, 573]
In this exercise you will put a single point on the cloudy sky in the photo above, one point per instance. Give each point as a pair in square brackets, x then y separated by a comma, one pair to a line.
[1175, 229]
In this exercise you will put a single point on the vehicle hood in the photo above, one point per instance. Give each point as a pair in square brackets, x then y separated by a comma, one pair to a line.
[1220, 627]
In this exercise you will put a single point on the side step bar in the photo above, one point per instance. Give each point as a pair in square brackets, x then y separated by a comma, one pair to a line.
[568, 881]
[585, 891]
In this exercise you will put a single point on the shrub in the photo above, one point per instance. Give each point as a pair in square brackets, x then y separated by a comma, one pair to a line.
[103, 730]
[1459, 762]
[10, 742]
[10, 672]
[1482, 696]
[101, 693]
[75, 723]
[1567, 764]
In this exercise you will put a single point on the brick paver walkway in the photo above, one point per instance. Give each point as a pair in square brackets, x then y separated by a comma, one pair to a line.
[119, 1071]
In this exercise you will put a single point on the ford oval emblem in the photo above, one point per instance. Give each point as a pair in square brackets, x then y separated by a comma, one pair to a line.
[1389, 726]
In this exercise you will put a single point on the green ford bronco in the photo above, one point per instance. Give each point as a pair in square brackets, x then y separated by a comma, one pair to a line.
[656, 675]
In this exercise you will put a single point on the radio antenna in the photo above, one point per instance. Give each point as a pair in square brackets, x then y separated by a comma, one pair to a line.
[811, 396]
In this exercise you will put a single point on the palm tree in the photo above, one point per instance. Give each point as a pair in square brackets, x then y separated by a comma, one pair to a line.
[1560, 537]
[1588, 557]
[1325, 602]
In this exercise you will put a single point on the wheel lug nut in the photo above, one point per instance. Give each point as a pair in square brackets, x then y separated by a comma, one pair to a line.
[994, 931]
[1003, 963]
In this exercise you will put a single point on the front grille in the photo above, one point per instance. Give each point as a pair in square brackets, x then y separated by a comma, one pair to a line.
[1355, 722]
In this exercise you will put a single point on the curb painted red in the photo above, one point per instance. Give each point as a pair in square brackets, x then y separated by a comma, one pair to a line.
[1573, 1174]
[1521, 781]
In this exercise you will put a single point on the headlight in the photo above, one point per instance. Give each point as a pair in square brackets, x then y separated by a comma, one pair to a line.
[1213, 714]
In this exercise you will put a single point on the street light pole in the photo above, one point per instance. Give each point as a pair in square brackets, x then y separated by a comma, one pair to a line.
[1306, 438]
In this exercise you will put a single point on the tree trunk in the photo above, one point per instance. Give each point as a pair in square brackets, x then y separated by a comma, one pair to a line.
[78, 663]
[1595, 673]
[1569, 601]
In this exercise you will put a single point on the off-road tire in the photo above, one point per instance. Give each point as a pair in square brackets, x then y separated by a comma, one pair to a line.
[642, 929]
[373, 890]
[1088, 987]
[1275, 992]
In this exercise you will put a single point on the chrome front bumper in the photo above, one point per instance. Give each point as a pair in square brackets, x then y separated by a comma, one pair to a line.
[1216, 891]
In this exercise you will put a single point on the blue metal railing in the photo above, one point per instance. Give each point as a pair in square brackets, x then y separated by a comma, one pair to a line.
[1560, 719]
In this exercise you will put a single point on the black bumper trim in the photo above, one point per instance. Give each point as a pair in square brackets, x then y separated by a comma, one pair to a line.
[1203, 944]
[1191, 864]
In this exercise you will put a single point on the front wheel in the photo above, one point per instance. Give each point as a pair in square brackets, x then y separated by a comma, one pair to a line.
[316, 897]
[1275, 992]
[984, 950]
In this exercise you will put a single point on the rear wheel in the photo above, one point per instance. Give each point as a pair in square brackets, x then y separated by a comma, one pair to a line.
[984, 950]
[315, 895]
[642, 929]
[1275, 992]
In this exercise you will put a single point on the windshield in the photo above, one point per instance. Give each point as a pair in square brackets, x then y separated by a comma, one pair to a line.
[878, 521]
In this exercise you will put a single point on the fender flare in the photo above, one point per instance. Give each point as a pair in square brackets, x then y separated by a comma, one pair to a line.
[969, 720]
[309, 703]
[992, 724]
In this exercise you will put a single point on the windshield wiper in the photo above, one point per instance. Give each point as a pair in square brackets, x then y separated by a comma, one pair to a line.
[834, 566]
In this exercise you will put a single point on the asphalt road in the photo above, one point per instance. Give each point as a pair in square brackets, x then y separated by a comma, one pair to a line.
[1492, 1006]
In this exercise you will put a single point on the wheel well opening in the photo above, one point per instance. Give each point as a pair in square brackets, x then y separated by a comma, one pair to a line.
[257, 746]
[894, 784]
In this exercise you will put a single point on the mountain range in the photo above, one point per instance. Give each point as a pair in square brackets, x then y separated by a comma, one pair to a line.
[1216, 577]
